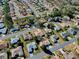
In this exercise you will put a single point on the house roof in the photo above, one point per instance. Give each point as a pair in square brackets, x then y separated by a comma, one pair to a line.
[54, 38]
[20, 58]
[28, 10]
[49, 19]
[64, 34]
[3, 44]
[3, 31]
[38, 32]
[28, 36]
[3, 55]
[44, 42]
[31, 46]
[71, 31]
[1, 25]
[14, 29]
[16, 51]
[56, 28]
[14, 40]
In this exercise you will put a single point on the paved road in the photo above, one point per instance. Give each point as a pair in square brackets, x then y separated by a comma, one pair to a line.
[17, 33]
[42, 54]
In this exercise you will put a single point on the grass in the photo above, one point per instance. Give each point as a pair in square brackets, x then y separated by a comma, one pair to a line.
[24, 48]
[59, 54]
[78, 41]
[36, 51]
[48, 57]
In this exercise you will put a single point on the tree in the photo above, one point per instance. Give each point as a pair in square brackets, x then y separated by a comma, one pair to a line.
[78, 41]
[68, 11]
[6, 8]
[7, 19]
[55, 13]
[8, 22]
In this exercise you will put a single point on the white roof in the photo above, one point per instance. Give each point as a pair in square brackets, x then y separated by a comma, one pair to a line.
[3, 55]
[3, 31]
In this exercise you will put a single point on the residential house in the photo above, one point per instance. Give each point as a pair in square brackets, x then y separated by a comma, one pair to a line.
[57, 28]
[27, 37]
[3, 44]
[72, 31]
[1, 25]
[20, 58]
[14, 29]
[38, 32]
[2, 29]
[58, 19]
[31, 47]
[45, 42]
[64, 34]
[49, 19]
[28, 10]
[3, 55]
[17, 51]
[14, 40]
[54, 38]
[66, 18]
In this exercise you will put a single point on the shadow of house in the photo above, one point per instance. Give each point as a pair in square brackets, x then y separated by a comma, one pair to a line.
[46, 50]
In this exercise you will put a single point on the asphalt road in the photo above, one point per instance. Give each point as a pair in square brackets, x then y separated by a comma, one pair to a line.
[42, 54]
[17, 34]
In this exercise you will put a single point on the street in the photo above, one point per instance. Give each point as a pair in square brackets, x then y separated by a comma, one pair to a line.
[42, 54]
[17, 33]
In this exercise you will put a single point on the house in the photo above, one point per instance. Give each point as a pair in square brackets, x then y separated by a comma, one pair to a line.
[38, 32]
[77, 16]
[14, 29]
[58, 19]
[49, 19]
[28, 10]
[3, 44]
[57, 28]
[54, 38]
[3, 55]
[3, 31]
[45, 24]
[17, 51]
[31, 47]
[64, 34]
[66, 18]
[72, 31]
[20, 58]
[44, 41]
[27, 36]
[1, 25]
[14, 40]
